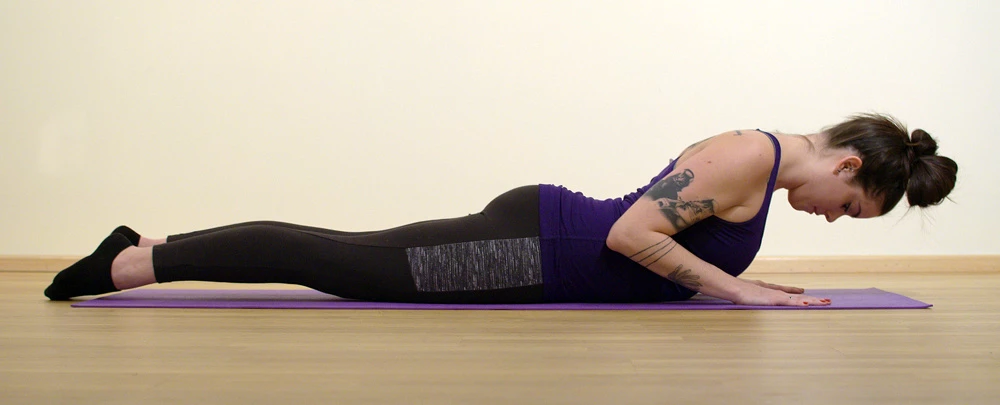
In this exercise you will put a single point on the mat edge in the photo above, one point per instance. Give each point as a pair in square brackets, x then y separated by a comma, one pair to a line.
[124, 300]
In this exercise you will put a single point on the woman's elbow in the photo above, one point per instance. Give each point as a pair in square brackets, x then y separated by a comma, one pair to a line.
[619, 237]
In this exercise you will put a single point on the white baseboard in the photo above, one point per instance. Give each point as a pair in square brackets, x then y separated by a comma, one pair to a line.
[877, 264]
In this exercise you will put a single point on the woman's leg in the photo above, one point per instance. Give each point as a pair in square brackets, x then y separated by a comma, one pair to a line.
[144, 241]
[173, 238]
[272, 254]
[487, 257]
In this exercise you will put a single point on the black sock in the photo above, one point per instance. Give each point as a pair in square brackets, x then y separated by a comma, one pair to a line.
[92, 274]
[128, 233]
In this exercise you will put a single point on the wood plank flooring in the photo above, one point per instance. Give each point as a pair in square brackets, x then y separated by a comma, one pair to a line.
[950, 354]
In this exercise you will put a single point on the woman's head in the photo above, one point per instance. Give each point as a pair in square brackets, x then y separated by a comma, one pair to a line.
[893, 162]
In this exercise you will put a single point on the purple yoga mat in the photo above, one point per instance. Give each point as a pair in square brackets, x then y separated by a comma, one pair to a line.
[870, 298]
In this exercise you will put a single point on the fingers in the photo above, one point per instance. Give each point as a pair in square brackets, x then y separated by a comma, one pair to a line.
[793, 290]
[790, 290]
[766, 296]
[805, 300]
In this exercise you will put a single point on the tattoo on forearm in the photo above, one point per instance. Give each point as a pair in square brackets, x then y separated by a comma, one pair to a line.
[653, 253]
[685, 278]
[680, 213]
[658, 249]
[738, 133]
[672, 246]
[667, 240]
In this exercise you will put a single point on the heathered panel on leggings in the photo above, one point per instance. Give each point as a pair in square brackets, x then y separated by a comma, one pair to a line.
[478, 265]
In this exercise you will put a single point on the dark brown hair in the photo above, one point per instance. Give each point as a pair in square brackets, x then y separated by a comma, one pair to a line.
[893, 162]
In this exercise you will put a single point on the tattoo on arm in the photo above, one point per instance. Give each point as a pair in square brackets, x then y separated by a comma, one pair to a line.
[683, 276]
[655, 252]
[738, 133]
[680, 213]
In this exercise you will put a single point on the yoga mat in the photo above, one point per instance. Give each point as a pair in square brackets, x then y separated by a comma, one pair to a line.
[870, 298]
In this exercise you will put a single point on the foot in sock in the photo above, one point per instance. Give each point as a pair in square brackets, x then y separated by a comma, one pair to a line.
[92, 274]
[132, 236]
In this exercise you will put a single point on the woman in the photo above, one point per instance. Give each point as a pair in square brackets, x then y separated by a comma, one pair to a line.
[694, 228]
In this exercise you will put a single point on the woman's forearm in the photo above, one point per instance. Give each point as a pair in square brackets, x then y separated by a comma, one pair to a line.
[662, 255]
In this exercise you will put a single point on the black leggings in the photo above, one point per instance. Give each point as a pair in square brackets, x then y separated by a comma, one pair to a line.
[489, 257]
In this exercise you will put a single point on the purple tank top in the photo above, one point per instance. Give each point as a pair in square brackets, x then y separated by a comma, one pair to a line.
[577, 265]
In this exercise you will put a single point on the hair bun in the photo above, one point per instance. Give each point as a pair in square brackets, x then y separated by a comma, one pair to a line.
[932, 177]
[922, 144]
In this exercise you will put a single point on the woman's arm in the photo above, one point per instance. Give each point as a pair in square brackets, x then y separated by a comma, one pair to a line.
[717, 177]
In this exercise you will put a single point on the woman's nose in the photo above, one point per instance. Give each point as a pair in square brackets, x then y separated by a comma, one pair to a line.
[830, 217]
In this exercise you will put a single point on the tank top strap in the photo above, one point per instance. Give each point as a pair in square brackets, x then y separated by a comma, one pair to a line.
[777, 160]
[774, 175]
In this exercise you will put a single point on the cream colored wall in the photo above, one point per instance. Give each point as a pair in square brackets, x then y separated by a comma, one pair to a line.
[176, 115]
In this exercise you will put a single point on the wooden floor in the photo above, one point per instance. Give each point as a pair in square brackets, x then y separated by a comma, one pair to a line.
[950, 354]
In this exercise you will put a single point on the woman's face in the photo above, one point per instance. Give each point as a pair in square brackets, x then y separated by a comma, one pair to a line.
[832, 195]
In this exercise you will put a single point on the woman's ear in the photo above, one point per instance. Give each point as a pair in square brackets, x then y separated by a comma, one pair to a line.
[848, 165]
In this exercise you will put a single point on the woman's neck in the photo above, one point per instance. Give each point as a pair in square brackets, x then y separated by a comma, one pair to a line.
[798, 159]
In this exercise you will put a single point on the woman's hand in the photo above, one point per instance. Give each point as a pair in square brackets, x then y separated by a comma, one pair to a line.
[755, 294]
[790, 290]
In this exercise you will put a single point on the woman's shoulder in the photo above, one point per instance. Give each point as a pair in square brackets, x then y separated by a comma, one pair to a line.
[749, 150]
[733, 169]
